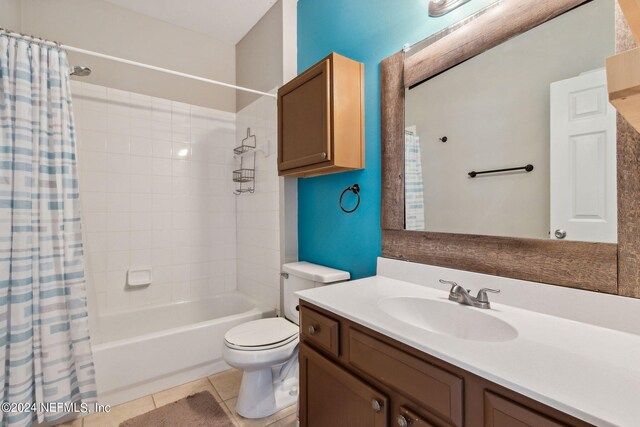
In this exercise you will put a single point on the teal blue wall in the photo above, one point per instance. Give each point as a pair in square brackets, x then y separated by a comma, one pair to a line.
[367, 31]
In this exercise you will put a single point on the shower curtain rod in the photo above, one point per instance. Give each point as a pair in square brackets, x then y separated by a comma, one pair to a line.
[163, 70]
[135, 63]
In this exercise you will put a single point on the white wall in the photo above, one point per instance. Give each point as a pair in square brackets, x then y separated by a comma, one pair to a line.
[289, 39]
[259, 56]
[258, 224]
[267, 55]
[156, 190]
[494, 109]
[11, 14]
[103, 27]
[267, 58]
[288, 185]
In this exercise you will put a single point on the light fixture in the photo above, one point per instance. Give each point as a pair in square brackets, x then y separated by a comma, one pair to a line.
[442, 7]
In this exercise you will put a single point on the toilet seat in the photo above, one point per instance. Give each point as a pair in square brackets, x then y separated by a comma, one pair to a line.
[262, 334]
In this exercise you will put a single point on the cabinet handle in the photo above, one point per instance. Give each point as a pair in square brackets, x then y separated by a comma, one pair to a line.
[402, 421]
[323, 155]
[312, 330]
[376, 405]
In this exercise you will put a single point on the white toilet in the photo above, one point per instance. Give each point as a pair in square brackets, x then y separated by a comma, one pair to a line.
[267, 349]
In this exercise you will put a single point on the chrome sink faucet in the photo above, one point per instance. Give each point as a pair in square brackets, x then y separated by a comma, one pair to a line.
[462, 295]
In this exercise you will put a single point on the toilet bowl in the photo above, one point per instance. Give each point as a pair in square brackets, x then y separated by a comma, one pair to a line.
[266, 350]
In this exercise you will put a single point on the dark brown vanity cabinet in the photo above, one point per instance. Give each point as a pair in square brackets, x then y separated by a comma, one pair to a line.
[501, 412]
[351, 376]
[335, 397]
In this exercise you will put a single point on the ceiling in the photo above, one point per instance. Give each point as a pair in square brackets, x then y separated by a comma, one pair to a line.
[224, 20]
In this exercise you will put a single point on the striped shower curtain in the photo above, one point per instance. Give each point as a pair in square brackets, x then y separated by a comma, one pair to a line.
[45, 352]
[413, 184]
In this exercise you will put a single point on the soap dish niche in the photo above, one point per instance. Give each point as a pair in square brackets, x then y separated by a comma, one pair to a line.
[139, 277]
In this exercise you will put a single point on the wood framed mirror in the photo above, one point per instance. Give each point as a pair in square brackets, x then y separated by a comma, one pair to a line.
[604, 267]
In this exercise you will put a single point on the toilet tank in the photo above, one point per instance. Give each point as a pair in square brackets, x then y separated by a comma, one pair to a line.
[305, 275]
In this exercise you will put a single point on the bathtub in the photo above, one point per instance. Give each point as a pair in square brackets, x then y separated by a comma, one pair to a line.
[143, 351]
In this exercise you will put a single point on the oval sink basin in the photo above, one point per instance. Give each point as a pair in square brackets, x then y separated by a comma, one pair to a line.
[450, 319]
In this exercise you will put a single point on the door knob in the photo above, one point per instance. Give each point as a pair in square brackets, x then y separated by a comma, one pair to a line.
[376, 405]
[312, 330]
[402, 421]
[560, 233]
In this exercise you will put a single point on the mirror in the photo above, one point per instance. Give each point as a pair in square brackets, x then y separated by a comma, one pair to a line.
[519, 141]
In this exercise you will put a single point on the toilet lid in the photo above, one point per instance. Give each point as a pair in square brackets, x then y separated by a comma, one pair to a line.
[260, 333]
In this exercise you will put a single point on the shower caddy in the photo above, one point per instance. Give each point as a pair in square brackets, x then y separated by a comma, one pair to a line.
[245, 175]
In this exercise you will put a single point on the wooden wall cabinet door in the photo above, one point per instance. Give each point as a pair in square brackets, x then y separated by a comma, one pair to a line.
[321, 119]
[330, 396]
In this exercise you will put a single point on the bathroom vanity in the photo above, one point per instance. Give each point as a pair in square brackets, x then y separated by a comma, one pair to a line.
[392, 350]
[378, 381]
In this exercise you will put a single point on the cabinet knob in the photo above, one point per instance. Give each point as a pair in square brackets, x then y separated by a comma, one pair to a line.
[402, 421]
[323, 155]
[376, 405]
[312, 330]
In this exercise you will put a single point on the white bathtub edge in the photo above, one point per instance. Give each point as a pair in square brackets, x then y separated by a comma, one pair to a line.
[132, 392]
[135, 367]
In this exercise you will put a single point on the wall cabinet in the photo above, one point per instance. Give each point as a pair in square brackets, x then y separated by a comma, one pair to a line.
[359, 377]
[321, 119]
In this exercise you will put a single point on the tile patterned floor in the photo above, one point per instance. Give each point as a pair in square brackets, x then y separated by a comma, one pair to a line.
[223, 387]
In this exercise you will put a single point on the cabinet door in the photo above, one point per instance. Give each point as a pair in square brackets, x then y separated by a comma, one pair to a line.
[304, 119]
[500, 412]
[432, 388]
[330, 396]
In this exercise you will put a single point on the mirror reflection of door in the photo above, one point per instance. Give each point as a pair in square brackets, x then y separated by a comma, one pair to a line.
[499, 115]
[583, 160]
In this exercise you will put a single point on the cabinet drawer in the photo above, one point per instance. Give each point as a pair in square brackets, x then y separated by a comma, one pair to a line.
[438, 391]
[320, 330]
[501, 412]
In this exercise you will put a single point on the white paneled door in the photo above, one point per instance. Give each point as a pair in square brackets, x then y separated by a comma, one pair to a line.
[583, 160]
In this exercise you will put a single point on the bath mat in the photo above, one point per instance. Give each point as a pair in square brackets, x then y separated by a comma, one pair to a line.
[198, 410]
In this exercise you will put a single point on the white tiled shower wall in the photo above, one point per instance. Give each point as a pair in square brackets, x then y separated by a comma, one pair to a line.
[156, 190]
[258, 226]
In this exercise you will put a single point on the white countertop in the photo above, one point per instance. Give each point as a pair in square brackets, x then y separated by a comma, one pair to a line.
[588, 371]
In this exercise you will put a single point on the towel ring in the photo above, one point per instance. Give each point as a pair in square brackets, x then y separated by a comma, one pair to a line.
[355, 189]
